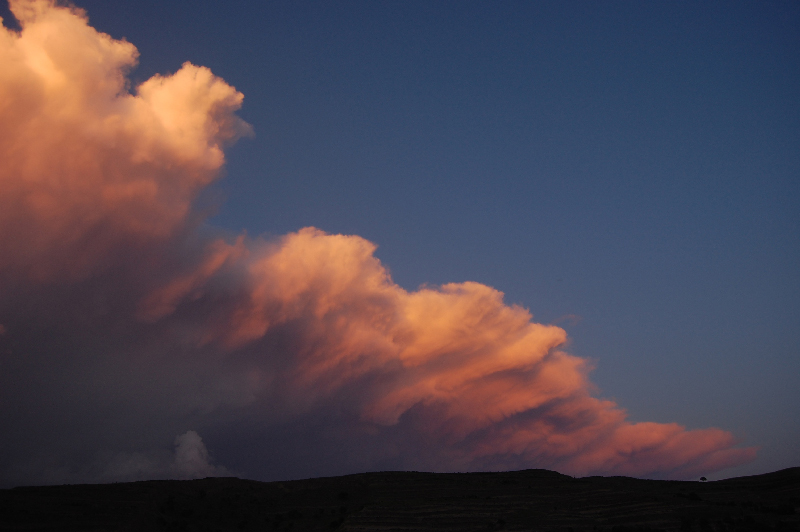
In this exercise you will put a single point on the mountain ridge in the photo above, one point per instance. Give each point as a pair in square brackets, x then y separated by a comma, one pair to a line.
[533, 499]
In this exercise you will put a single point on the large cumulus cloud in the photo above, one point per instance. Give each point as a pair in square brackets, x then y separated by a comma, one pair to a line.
[128, 322]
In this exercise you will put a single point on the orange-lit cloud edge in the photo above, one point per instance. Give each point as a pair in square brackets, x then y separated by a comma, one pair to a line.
[97, 188]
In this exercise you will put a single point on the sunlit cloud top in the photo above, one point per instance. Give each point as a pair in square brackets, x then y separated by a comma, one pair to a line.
[128, 323]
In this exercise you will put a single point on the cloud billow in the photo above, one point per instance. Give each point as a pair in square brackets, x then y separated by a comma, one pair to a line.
[125, 321]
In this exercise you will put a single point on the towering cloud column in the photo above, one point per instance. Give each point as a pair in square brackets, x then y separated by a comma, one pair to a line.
[124, 321]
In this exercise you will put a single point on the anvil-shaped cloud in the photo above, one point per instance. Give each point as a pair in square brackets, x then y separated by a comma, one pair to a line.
[127, 321]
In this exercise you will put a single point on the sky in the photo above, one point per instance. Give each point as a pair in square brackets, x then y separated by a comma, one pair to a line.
[282, 240]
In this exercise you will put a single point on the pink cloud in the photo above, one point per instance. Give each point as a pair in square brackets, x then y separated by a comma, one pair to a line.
[96, 192]
[87, 165]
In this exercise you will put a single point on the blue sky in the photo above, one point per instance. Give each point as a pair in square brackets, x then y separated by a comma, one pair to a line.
[629, 171]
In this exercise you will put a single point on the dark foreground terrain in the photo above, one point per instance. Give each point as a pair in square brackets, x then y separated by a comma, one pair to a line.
[521, 500]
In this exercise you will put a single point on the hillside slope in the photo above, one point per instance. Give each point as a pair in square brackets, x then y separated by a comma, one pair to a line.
[520, 500]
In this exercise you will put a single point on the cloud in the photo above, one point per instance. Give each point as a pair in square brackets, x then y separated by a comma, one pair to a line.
[191, 458]
[127, 320]
[88, 167]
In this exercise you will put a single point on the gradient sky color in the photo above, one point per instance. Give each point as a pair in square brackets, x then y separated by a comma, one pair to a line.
[628, 171]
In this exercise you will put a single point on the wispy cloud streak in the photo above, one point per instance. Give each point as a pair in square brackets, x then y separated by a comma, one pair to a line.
[127, 321]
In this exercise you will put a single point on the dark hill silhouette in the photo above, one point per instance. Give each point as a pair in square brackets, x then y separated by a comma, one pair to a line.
[520, 500]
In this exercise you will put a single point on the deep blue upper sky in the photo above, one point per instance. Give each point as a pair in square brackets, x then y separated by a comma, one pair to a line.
[628, 170]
